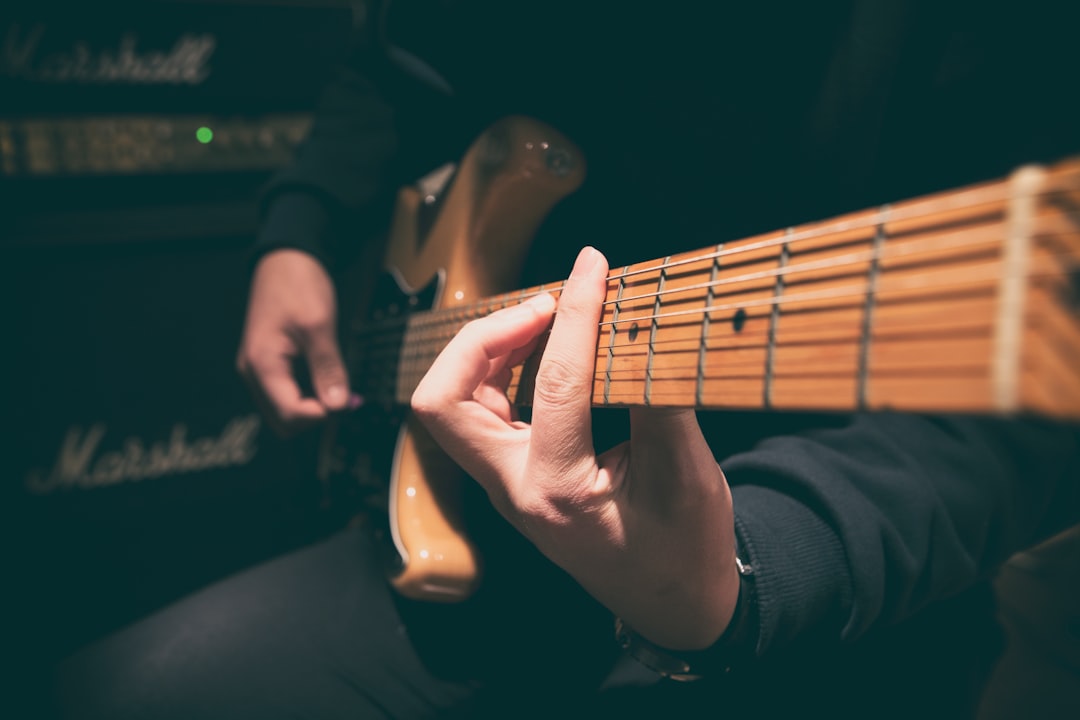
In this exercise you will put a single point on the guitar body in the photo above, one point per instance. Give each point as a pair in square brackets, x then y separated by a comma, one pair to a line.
[449, 246]
[964, 301]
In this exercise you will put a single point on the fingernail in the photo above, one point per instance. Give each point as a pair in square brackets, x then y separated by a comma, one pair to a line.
[335, 396]
[355, 401]
[587, 261]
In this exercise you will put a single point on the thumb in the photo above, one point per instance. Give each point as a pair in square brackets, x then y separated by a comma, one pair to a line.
[328, 373]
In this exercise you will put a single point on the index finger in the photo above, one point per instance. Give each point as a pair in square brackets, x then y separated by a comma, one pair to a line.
[273, 380]
[562, 399]
[472, 433]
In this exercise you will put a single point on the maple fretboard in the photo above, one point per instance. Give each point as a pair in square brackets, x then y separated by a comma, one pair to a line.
[960, 301]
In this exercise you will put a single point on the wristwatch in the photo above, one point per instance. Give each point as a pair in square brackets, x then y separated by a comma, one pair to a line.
[738, 642]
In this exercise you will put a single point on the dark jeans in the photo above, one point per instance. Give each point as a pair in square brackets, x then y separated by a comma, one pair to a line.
[318, 633]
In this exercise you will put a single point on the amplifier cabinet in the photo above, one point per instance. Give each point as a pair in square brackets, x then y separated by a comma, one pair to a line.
[139, 467]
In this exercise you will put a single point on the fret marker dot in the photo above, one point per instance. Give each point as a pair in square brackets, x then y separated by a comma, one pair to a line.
[739, 320]
[633, 332]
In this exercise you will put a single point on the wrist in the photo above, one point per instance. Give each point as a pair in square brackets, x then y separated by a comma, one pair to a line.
[736, 646]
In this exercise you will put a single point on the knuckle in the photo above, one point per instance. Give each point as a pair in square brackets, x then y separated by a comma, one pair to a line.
[558, 380]
[259, 364]
[534, 505]
[314, 320]
[423, 403]
[326, 364]
[472, 332]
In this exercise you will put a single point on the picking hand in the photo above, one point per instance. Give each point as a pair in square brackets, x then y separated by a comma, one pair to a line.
[645, 527]
[292, 313]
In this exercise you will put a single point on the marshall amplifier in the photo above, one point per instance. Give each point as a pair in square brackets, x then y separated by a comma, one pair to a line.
[134, 138]
[139, 468]
[122, 104]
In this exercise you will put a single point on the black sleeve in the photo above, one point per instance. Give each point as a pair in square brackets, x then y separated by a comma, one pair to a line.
[861, 526]
[340, 172]
[338, 192]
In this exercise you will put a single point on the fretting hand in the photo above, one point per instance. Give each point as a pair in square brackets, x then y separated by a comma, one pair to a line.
[645, 527]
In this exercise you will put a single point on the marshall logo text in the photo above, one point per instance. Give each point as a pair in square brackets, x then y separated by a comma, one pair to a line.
[79, 464]
[186, 63]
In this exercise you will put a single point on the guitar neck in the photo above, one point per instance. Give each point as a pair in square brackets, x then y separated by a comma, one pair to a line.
[963, 301]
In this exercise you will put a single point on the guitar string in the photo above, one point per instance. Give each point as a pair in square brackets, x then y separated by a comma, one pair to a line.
[888, 285]
[390, 376]
[446, 329]
[833, 228]
[988, 195]
[431, 348]
[849, 291]
[753, 344]
[482, 308]
[999, 194]
[486, 306]
[838, 262]
[849, 259]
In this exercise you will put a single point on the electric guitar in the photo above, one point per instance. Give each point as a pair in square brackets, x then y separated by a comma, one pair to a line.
[964, 301]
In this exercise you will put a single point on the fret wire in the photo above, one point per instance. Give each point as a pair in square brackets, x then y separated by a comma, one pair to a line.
[611, 340]
[652, 330]
[774, 319]
[868, 309]
[715, 270]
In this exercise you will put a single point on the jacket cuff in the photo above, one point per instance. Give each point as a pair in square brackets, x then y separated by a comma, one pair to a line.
[298, 220]
[801, 578]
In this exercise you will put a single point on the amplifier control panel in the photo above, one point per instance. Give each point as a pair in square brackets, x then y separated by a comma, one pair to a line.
[148, 144]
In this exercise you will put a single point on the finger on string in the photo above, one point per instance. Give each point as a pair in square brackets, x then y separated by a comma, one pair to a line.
[274, 387]
[467, 360]
[562, 398]
[328, 372]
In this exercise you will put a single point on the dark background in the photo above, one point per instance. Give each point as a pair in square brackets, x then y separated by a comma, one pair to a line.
[125, 246]
[126, 253]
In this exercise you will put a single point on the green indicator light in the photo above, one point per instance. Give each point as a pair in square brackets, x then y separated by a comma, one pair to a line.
[204, 135]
